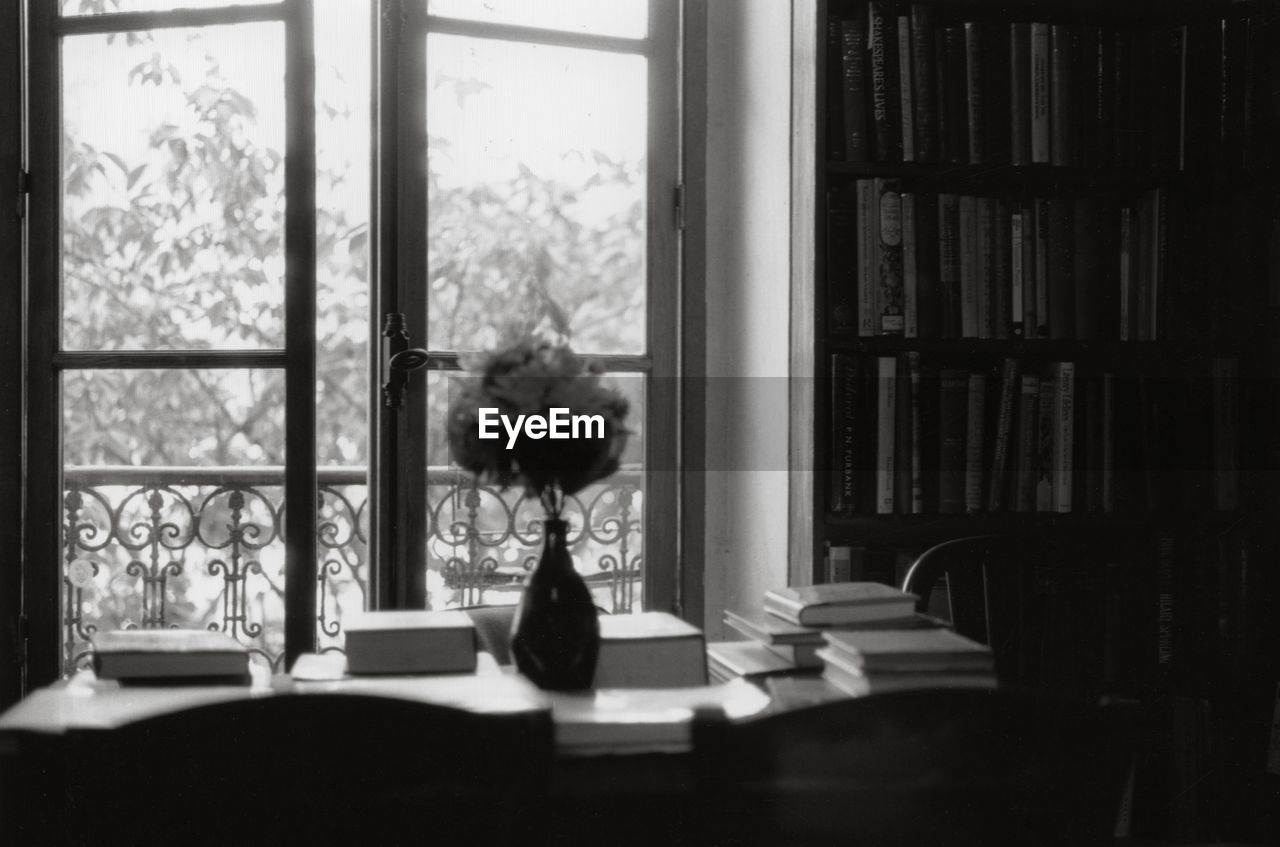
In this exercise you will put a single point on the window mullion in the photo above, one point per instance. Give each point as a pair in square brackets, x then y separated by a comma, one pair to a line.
[41, 549]
[398, 478]
[136, 21]
[300, 328]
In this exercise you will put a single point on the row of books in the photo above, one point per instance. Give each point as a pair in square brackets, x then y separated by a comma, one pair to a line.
[1146, 267]
[906, 85]
[908, 438]
[641, 650]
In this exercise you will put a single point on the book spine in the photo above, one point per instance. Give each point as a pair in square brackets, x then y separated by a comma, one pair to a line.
[1108, 455]
[1063, 436]
[928, 292]
[866, 211]
[1159, 262]
[1040, 134]
[1225, 376]
[1087, 267]
[985, 256]
[1165, 96]
[952, 414]
[1061, 268]
[951, 323]
[924, 79]
[970, 254]
[1030, 295]
[844, 434]
[1061, 96]
[839, 565]
[917, 453]
[1088, 449]
[1028, 443]
[1105, 99]
[954, 111]
[910, 273]
[1002, 273]
[997, 80]
[902, 438]
[1045, 426]
[883, 64]
[1085, 44]
[886, 411]
[1041, 269]
[906, 106]
[975, 439]
[853, 87]
[975, 109]
[1017, 279]
[889, 283]
[1020, 93]
[842, 268]
[997, 485]
[834, 84]
[1122, 75]
[1126, 280]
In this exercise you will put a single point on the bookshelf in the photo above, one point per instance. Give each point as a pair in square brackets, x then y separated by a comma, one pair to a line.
[1046, 304]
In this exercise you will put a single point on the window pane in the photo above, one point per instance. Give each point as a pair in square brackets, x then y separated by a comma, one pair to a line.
[536, 196]
[144, 418]
[173, 218]
[624, 18]
[605, 519]
[173, 504]
[99, 7]
[342, 230]
[342, 309]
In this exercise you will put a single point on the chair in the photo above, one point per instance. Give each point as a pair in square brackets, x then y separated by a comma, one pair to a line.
[989, 593]
[310, 769]
[944, 766]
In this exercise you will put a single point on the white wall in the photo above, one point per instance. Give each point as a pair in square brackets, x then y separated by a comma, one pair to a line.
[747, 236]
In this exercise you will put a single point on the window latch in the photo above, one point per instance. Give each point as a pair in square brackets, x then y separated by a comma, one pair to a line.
[398, 359]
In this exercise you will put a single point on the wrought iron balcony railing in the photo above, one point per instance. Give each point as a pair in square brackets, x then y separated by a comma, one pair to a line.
[201, 547]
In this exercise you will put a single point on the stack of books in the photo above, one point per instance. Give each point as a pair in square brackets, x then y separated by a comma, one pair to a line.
[785, 636]
[880, 660]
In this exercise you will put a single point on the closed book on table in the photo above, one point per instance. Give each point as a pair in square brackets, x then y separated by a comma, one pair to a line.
[839, 603]
[908, 650]
[853, 680]
[169, 655]
[751, 660]
[410, 641]
[650, 650]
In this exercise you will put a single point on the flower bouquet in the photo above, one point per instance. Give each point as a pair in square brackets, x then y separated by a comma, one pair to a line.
[537, 416]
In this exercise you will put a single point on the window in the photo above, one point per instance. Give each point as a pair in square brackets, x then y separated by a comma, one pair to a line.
[220, 225]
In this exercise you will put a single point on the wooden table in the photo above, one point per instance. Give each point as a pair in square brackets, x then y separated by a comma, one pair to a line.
[619, 753]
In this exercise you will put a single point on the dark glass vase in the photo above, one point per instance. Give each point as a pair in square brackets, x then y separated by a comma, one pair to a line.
[555, 635]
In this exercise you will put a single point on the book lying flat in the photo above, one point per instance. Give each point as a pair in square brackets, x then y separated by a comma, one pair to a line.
[918, 650]
[163, 655]
[649, 650]
[855, 683]
[634, 719]
[410, 641]
[837, 603]
[746, 659]
[773, 631]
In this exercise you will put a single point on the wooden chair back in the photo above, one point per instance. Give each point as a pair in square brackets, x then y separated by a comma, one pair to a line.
[958, 766]
[309, 769]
